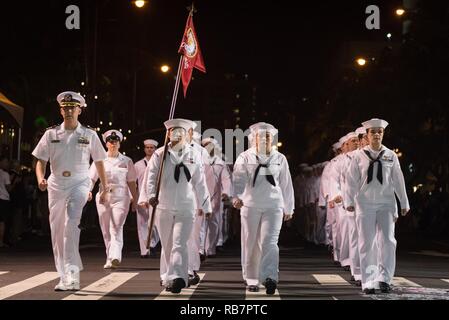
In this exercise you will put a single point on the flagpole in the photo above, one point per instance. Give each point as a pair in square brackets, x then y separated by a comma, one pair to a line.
[161, 166]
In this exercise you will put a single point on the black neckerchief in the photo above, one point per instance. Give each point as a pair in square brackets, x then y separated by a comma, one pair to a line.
[371, 166]
[269, 177]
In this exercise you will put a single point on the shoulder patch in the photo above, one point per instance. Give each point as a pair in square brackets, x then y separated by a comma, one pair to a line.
[52, 127]
[89, 127]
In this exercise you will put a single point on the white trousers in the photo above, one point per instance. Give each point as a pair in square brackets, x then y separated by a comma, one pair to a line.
[194, 244]
[336, 236]
[320, 231]
[328, 226]
[143, 220]
[66, 199]
[344, 226]
[210, 232]
[112, 217]
[260, 251]
[175, 228]
[354, 247]
[377, 244]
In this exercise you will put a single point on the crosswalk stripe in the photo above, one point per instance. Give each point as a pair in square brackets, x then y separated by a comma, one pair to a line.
[185, 293]
[3, 272]
[445, 280]
[27, 284]
[330, 280]
[403, 282]
[102, 287]
[261, 295]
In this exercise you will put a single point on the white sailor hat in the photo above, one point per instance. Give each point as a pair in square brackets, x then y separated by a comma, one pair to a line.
[112, 135]
[324, 164]
[178, 123]
[375, 123]
[351, 135]
[336, 145]
[151, 141]
[209, 140]
[194, 125]
[196, 136]
[360, 130]
[70, 98]
[263, 126]
[307, 169]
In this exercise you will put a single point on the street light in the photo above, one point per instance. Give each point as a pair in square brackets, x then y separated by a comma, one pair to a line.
[165, 68]
[139, 3]
[361, 62]
[400, 12]
[389, 35]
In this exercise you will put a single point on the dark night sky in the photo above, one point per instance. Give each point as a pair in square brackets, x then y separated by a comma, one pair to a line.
[287, 45]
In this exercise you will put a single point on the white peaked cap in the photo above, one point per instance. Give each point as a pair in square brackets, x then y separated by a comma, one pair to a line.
[71, 98]
[178, 123]
[151, 141]
[361, 130]
[375, 123]
[109, 133]
[263, 126]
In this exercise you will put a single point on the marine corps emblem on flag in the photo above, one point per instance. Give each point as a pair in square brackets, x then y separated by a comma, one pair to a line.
[190, 46]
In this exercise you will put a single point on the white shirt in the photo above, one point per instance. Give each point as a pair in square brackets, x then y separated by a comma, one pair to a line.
[69, 150]
[218, 180]
[264, 195]
[359, 191]
[324, 184]
[181, 195]
[142, 174]
[4, 181]
[119, 171]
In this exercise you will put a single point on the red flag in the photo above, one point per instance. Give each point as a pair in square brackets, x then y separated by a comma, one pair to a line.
[190, 49]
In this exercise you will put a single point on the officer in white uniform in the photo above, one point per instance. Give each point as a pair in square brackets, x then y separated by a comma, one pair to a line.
[182, 184]
[373, 179]
[143, 209]
[218, 182]
[112, 215]
[68, 147]
[263, 191]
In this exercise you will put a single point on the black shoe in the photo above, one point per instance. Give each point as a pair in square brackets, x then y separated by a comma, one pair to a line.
[152, 253]
[347, 268]
[144, 256]
[358, 283]
[270, 285]
[384, 287]
[177, 285]
[194, 279]
[352, 279]
[202, 257]
[369, 291]
[253, 288]
[161, 283]
[168, 288]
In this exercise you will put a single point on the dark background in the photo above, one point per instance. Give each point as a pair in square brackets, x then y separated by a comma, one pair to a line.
[290, 63]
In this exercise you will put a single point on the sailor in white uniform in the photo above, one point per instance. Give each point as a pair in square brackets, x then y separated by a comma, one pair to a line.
[263, 191]
[112, 215]
[182, 185]
[143, 209]
[218, 182]
[69, 147]
[373, 179]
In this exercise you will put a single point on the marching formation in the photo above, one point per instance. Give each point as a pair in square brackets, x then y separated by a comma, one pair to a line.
[347, 203]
